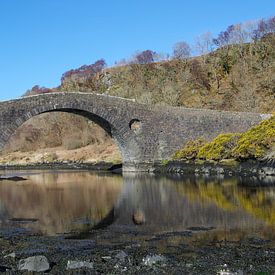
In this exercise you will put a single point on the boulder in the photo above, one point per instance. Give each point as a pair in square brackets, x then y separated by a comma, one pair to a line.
[35, 263]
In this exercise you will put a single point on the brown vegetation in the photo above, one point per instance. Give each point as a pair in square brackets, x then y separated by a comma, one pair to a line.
[60, 136]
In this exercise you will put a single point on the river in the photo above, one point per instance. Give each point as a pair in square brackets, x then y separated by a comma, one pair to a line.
[176, 216]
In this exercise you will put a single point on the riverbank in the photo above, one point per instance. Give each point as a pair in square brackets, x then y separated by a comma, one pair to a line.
[226, 167]
[258, 172]
[65, 165]
[121, 250]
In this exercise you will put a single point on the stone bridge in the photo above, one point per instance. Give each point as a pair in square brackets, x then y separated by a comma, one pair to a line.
[144, 134]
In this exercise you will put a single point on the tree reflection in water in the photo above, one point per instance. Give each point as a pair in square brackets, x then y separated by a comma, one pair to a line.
[84, 201]
[60, 201]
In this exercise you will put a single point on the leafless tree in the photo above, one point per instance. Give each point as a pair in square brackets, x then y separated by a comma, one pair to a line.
[204, 43]
[181, 50]
[144, 57]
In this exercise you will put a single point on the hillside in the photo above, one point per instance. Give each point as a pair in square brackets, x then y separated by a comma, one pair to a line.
[59, 136]
[235, 77]
[238, 77]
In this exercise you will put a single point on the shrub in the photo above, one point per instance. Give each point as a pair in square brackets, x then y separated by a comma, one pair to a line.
[257, 141]
[219, 148]
[190, 150]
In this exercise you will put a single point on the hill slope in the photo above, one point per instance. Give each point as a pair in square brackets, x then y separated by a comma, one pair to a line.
[236, 78]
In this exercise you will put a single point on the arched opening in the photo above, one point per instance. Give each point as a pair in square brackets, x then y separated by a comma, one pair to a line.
[135, 125]
[61, 136]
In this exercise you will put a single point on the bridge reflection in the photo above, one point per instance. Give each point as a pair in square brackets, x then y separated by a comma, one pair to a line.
[82, 201]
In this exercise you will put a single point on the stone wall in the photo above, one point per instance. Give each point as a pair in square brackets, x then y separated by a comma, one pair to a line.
[144, 134]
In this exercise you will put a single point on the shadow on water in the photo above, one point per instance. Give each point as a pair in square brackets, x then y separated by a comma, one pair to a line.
[116, 168]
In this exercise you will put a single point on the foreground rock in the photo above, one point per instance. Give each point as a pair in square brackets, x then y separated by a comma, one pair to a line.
[35, 263]
[121, 256]
[154, 259]
[11, 255]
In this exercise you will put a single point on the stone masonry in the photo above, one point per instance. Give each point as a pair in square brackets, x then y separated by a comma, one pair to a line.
[145, 134]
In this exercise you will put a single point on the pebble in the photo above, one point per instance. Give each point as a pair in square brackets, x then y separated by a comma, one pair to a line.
[151, 260]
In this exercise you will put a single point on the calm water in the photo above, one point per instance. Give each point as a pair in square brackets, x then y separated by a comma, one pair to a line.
[64, 202]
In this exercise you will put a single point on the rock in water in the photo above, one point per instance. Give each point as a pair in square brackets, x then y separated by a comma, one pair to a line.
[35, 263]
[139, 217]
[77, 264]
[12, 178]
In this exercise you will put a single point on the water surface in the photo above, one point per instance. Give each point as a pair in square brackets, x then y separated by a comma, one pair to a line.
[57, 202]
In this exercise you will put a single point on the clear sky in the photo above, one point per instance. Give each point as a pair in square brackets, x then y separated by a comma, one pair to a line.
[41, 39]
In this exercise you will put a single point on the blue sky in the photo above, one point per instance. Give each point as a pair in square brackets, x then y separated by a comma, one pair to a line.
[41, 39]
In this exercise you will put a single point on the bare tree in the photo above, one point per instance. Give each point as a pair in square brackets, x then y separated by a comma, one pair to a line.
[144, 57]
[181, 50]
[161, 57]
[86, 70]
[35, 90]
[249, 27]
[204, 43]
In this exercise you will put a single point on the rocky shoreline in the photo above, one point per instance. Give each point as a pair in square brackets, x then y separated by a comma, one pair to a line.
[68, 165]
[260, 171]
[190, 167]
[150, 255]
